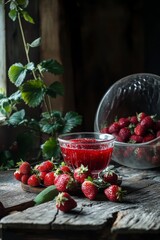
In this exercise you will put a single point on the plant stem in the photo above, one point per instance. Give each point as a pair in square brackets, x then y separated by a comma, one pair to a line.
[24, 43]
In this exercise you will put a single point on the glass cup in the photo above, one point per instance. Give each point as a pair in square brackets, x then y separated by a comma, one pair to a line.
[92, 149]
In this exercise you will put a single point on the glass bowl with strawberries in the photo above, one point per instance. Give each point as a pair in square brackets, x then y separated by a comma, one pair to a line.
[90, 149]
[130, 111]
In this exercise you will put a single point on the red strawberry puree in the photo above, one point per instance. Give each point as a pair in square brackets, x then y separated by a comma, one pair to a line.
[96, 156]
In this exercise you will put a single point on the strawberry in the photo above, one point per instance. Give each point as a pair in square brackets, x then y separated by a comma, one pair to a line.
[64, 182]
[113, 128]
[140, 130]
[64, 168]
[147, 122]
[25, 168]
[133, 120]
[17, 175]
[141, 116]
[46, 166]
[64, 202]
[110, 176]
[105, 130]
[148, 137]
[136, 139]
[124, 134]
[25, 178]
[81, 173]
[49, 179]
[89, 189]
[33, 181]
[123, 122]
[114, 193]
[41, 175]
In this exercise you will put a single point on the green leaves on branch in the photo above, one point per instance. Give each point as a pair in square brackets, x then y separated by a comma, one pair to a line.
[17, 7]
[33, 92]
[51, 66]
[55, 123]
[17, 72]
[50, 148]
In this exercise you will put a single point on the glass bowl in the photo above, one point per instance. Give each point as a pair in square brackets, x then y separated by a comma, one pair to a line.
[130, 95]
[88, 148]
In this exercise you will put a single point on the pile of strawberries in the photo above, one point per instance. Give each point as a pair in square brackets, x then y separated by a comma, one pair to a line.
[69, 182]
[139, 128]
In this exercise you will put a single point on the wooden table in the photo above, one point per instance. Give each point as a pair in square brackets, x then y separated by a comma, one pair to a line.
[137, 217]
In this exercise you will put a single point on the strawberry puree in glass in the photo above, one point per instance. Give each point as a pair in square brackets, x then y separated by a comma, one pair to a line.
[90, 152]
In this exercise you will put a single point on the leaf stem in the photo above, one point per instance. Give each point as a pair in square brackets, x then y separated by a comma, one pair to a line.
[24, 43]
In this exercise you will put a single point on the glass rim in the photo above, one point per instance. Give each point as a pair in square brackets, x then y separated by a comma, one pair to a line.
[82, 135]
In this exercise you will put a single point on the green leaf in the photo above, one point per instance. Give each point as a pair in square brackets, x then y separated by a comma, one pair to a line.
[55, 89]
[16, 97]
[50, 148]
[17, 117]
[30, 66]
[35, 43]
[27, 17]
[72, 119]
[17, 74]
[13, 14]
[5, 107]
[51, 66]
[13, 5]
[23, 3]
[33, 92]
[52, 123]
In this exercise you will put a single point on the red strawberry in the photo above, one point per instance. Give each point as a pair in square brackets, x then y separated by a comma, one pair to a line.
[124, 134]
[110, 176]
[33, 181]
[136, 139]
[49, 179]
[25, 168]
[148, 137]
[113, 128]
[81, 173]
[105, 130]
[46, 166]
[141, 116]
[41, 175]
[89, 189]
[17, 175]
[65, 202]
[147, 122]
[65, 168]
[123, 122]
[24, 178]
[133, 120]
[64, 182]
[140, 130]
[114, 193]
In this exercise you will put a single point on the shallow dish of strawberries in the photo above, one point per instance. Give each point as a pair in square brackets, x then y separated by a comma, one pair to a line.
[130, 110]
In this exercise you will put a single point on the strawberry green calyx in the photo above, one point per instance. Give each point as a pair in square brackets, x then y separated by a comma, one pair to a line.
[61, 199]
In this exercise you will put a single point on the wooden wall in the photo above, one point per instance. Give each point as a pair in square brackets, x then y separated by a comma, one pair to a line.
[97, 41]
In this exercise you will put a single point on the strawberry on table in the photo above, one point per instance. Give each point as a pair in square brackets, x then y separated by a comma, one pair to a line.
[25, 168]
[24, 178]
[89, 189]
[49, 179]
[46, 166]
[65, 183]
[64, 202]
[110, 176]
[81, 173]
[18, 175]
[114, 193]
[33, 181]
